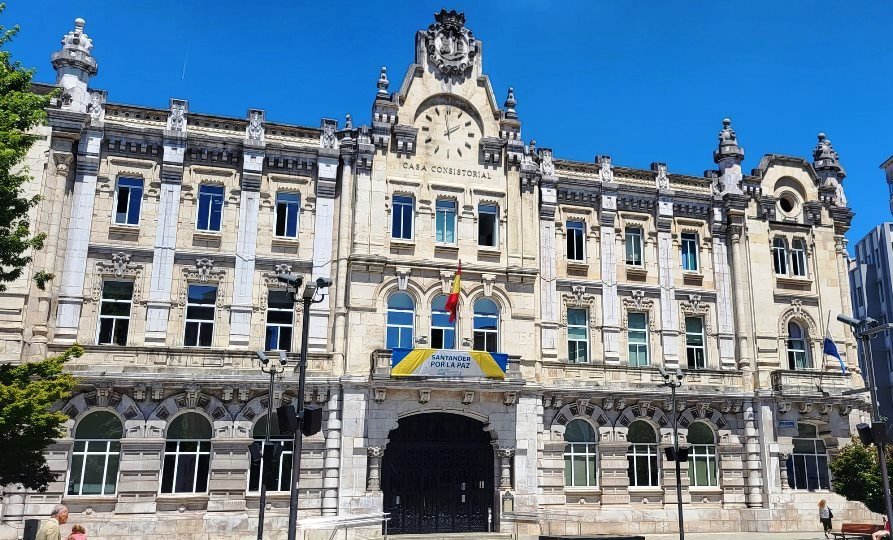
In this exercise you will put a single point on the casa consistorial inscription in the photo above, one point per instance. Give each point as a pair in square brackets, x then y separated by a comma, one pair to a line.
[445, 170]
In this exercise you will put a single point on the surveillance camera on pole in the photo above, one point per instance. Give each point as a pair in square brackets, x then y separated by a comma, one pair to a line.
[262, 357]
[283, 358]
[291, 280]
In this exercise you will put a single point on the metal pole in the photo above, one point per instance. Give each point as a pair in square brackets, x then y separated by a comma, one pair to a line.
[263, 485]
[678, 466]
[875, 417]
[298, 440]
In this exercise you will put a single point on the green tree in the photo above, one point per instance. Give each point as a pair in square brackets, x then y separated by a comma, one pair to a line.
[857, 474]
[27, 426]
[20, 111]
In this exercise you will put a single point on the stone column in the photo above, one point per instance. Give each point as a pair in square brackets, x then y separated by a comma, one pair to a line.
[246, 240]
[753, 464]
[666, 264]
[323, 233]
[783, 469]
[528, 427]
[614, 471]
[841, 258]
[608, 256]
[158, 305]
[332, 460]
[228, 475]
[71, 293]
[730, 465]
[505, 455]
[551, 471]
[373, 482]
[354, 427]
[742, 290]
[549, 304]
[724, 305]
[140, 474]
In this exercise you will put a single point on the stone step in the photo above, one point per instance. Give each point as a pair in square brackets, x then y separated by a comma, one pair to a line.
[453, 536]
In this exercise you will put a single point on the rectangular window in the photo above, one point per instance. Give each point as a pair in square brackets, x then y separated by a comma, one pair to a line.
[779, 257]
[634, 246]
[288, 204]
[94, 467]
[694, 343]
[798, 258]
[637, 338]
[488, 225]
[576, 240]
[280, 320]
[210, 207]
[128, 200]
[690, 252]
[283, 465]
[200, 308]
[114, 312]
[401, 225]
[445, 221]
[577, 336]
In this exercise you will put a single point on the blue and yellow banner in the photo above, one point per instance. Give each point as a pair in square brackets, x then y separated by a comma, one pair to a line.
[448, 363]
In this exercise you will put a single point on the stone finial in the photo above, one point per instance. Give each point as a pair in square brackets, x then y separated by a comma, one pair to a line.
[826, 160]
[510, 104]
[176, 119]
[327, 139]
[75, 53]
[348, 122]
[728, 144]
[383, 82]
[255, 129]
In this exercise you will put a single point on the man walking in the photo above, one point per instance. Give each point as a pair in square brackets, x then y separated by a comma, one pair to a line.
[49, 529]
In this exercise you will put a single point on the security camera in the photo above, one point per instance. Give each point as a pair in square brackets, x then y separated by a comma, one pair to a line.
[846, 319]
[283, 358]
[291, 280]
[323, 282]
[679, 374]
[262, 357]
[663, 372]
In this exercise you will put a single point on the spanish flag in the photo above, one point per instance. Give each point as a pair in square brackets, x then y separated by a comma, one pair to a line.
[452, 303]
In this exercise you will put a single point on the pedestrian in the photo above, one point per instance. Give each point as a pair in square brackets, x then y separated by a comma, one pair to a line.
[825, 515]
[880, 535]
[49, 529]
[77, 533]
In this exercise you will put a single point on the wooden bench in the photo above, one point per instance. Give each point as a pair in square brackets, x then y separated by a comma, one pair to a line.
[856, 530]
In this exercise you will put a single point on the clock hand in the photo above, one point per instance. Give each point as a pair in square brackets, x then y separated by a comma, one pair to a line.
[451, 130]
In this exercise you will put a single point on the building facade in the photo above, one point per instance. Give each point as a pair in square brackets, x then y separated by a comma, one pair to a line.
[167, 229]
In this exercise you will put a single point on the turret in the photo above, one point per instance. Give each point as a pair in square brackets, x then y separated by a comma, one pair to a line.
[74, 66]
[728, 156]
[831, 173]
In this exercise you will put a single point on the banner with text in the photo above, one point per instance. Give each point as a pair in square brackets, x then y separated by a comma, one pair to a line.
[448, 363]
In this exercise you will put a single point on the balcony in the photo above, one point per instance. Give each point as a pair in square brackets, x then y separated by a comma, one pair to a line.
[808, 383]
[647, 378]
[381, 369]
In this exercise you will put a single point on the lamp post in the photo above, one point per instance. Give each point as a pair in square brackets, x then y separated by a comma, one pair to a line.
[273, 370]
[674, 384]
[308, 297]
[864, 329]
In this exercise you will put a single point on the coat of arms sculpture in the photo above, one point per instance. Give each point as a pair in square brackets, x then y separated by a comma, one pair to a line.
[451, 47]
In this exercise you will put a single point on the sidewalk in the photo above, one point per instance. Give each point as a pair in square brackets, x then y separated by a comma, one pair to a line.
[735, 536]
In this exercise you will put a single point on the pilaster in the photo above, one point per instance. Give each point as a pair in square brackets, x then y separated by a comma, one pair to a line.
[731, 473]
[724, 306]
[608, 256]
[549, 305]
[139, 476]
[529, 426]
[669, 314]
[753, 464]
[332, 459]
[614, 472]
[323, 233]
[228, 475]
[668, 477]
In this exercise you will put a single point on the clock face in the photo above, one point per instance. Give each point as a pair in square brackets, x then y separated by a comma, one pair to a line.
[448, 132]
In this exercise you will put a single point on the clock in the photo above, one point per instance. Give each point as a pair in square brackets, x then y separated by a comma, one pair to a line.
[448, 131]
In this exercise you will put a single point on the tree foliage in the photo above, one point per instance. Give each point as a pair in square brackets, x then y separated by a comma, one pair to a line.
[20, 111]
[27, 426]
[857, 474]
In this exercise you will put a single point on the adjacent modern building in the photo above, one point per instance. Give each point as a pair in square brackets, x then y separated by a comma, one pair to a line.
[167, 229]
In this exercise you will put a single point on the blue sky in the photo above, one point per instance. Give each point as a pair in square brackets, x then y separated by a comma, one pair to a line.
[640, 81]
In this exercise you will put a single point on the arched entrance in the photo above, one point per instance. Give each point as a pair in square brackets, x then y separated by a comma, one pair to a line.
[437, 475]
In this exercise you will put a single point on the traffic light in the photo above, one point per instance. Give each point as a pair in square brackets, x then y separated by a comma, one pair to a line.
[312, 423]
[288, 420]
[272, 452]
[671, 453]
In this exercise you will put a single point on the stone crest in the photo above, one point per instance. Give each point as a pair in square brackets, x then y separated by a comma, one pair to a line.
[661, 179]
[547, 166]
[96, 109]
[177, 118]
[451, 47]
[327, 139]
[255, 129]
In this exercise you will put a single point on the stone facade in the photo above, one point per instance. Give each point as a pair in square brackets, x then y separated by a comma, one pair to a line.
[642, 268]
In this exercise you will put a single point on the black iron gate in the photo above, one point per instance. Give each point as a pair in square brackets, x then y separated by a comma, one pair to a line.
[437, 475]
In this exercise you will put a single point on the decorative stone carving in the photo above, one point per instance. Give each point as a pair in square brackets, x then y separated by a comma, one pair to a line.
[192, 392]
[547, 166]
[244, 392]
[96, 108]
[228, 391]
[825, 408]
[119, 267]
[605, 170]
[578, 291]
[255, 129]
[176, 120]
[327, 138]
[467, 398]
[451, 47]
[383, 82]
[510, 398]
[203, 271]
[784, 407]
[375, 453]
[783, 469]
[505, 454]
[661, 180]
[510, 104]
[827, 165]
[488, 280]
[139, 391]
[424, 396]
[403, 273]
[157, 391]
[348, 122]
[844, 408]
[804, 407]
[63, 162]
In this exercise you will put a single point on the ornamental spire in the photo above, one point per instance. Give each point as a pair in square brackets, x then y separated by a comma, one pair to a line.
[383, 82]
[74, 65]
[728, 144]
[510, 104]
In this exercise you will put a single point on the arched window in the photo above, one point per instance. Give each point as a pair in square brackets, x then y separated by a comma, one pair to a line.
[443, 332]
[798, 258]
[780, 256]
[702, 455]
[486, 325]
[401, 318]
[284, 465]
[642, 455]
[798, 354]
[808, 464]
[187, 455]
[580, 458]
[94, 461]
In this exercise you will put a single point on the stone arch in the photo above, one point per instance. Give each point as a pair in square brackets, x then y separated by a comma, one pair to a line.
[253, 410]
[455, 100]
[712, 417]
[436, 289]
[581, 409]
[391, 285]
[206, 404]
[497, 295]
[393, 422]
[644, 411]
[122, 405]
[799, 315]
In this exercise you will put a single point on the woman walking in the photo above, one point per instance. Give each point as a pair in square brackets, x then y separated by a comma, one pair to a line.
[825, 515]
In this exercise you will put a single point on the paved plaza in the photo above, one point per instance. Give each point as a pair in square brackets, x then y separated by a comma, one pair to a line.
[735, 535]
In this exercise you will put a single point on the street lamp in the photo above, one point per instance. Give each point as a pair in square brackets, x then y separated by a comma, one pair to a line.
[273, 370]
[675, 383]
[864, 329]
[308, 297]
